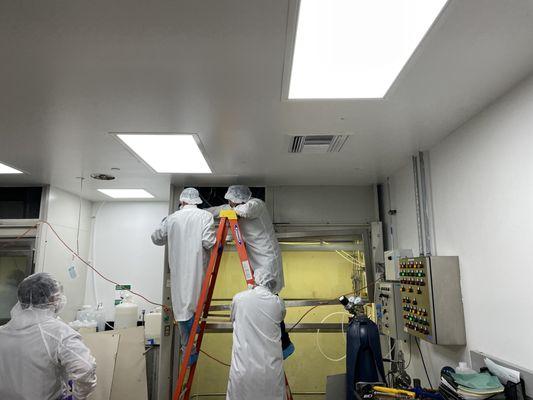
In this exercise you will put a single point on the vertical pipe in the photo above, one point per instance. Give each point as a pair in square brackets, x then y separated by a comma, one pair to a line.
[369, 264]
[424, 204]
[417, 203]
[391, 219]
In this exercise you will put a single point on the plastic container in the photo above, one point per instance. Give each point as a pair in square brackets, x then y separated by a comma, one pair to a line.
[463, 368]
[85, 314]
[99, 315]
[152, 326]
[83, 326]
[126, 314]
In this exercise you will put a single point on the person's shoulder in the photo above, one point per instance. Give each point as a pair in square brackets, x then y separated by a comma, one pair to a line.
[59, 329]
[257, 204]
[241, 296]
[204, 212]
[174, 215]
[257, 201]
[205, 215]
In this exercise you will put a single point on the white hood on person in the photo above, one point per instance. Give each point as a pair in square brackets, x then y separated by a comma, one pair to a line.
[264, 278]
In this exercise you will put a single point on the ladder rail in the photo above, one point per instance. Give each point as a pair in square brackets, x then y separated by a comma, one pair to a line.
[241, 251]
[205, 313]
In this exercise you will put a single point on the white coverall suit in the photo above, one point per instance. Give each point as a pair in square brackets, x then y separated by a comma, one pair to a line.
[261, 242]
[190, 233]
[39, 354]
[256, 362]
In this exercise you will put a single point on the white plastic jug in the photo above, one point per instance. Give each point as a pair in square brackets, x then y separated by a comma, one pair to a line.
[152, 326]
[126, 314]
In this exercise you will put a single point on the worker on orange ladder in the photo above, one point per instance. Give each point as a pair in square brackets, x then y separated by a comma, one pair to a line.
[190, 233]
[261, 242]
[256, 360]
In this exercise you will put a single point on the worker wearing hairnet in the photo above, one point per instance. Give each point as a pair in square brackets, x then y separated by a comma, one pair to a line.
[189, 233]
[258, 232]
[39, 353]
[261, 243]
[256, 360]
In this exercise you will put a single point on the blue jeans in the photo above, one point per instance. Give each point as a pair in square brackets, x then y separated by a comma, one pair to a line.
[185, 328]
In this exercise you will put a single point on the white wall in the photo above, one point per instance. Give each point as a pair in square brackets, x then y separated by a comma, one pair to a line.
[53, 257]
[124, 252]
[483, 190]
[482, 182]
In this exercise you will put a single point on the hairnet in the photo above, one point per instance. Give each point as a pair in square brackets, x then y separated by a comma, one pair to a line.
[41, 290]
[238, 194]
[265, 279]
[190, 196]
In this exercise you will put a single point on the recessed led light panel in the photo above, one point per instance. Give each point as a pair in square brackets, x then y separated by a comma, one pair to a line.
[6, 169]
[168, 153]
[356, 48]
[126, 193]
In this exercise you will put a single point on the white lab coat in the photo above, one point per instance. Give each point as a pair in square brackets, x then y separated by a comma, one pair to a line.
[256, 371]
[261, 241]
[190, 233]
[39, 354]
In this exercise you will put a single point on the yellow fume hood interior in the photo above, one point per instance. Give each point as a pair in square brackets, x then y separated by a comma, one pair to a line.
[308, 275]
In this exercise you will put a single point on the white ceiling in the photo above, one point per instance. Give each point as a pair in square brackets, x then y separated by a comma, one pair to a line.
[72, 71]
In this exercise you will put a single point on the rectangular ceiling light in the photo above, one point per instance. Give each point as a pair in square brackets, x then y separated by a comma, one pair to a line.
[127, 193]
[168, 153]
[347, 49]
[6, 169]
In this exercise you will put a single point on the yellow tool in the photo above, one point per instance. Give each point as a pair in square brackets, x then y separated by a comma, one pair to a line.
[229, 214]
[384, 389]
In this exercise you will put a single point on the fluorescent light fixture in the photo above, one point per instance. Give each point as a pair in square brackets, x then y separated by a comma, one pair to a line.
[6, 169]
[126, 193]
[168, 153]
[348, 49]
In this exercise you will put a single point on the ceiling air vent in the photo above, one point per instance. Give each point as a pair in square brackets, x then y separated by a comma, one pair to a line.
[316, 143]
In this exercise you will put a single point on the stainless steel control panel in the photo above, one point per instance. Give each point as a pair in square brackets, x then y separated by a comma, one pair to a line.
[389, 310]
[432, 307]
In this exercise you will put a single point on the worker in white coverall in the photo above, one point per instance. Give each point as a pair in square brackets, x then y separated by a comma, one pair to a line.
[256, 371]
[190, 234]
[39, 353]
[261, 242]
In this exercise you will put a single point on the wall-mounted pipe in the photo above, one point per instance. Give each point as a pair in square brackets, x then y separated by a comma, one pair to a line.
[417, 204]
[423, 219]
[390, 214]
[425, 204]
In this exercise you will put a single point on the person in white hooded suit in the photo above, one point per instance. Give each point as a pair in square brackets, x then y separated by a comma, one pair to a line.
[39, 353]
[190, 235]
[256, 371]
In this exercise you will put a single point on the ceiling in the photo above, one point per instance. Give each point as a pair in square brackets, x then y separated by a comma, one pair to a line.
[72, 71]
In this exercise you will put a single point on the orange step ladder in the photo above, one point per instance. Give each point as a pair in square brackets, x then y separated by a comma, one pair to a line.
[228, 220]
